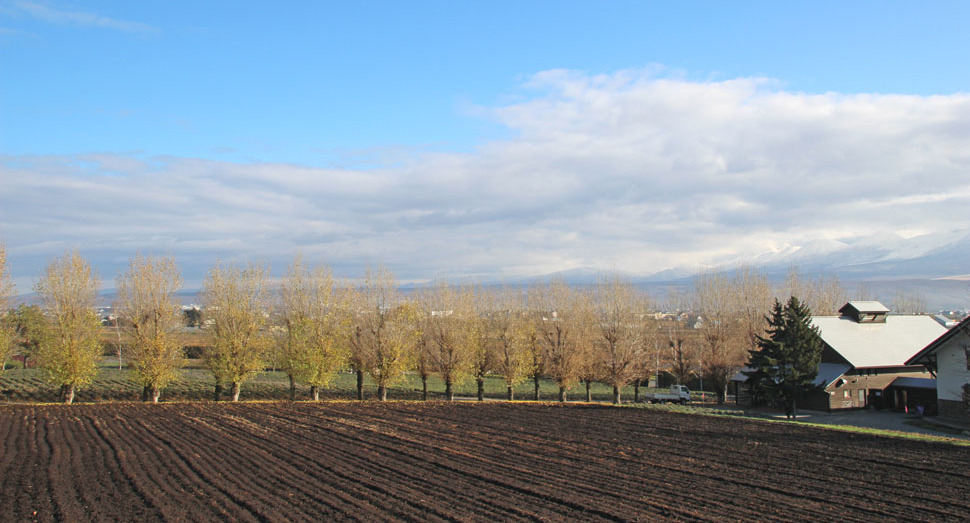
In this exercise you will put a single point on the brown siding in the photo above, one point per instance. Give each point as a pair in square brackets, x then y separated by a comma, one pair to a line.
[872, 384]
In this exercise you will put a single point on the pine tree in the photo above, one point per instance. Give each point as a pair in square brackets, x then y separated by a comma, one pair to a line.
[786, 364]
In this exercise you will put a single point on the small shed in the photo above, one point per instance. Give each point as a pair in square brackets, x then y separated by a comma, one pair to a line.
[913, 394]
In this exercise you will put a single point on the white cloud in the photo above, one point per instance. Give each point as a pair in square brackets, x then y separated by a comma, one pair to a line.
[624, 171]
[46, 13]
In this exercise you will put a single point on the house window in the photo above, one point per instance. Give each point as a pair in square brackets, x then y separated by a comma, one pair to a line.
[966, 352]
[862, 396]
[847, 394]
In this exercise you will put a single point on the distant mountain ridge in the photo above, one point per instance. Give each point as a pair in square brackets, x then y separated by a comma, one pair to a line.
[935, 266]
[882, 256]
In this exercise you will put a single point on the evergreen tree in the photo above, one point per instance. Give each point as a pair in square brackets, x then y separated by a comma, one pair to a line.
[786, 364]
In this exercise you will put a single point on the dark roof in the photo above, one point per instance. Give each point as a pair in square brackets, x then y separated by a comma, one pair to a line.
[906, 382]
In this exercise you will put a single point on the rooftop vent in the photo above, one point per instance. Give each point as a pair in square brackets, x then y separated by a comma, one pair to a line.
[865, 311]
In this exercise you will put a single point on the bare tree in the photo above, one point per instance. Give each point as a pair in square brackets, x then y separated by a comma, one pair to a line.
[863, 292]
[620, 311]
[722, 351]
[653, 345]
[72, 347]
[564, 331]
[7, 329]
[680, 358]
[447, 313]
[235, 303]
[824, 295]
[311, 345]
[732, 317]
[752, 301]
[151, 318]
[383, 331]
[908, 303]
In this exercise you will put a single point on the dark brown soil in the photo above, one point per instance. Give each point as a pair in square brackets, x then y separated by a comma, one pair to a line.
[466, 461]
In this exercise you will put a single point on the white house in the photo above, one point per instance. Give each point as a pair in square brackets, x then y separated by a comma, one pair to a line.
[948, 357]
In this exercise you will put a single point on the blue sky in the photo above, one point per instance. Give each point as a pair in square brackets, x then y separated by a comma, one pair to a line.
[302, 81]
[427, 99]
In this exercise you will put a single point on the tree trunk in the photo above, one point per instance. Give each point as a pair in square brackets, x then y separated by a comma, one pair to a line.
[315, 392]
[562, 394]
[292, 387]
[536, 379]
[589, 391]
[146, 392]
[616, 395]
[155, 393]
[235, 391]
[424, 387]
[68, 395]
[636, 391]
[382, 392]
[360, 385]
[511, 393]
[481, 388]
[217, 395]
[449, 392]
[721, 394]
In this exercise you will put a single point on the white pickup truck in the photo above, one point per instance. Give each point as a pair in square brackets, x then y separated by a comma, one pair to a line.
[678, 394]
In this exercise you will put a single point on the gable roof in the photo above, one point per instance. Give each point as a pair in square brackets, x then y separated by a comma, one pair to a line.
[914, 383]
[889, 344]
[829, 372]
[921, 357]
[866, 306]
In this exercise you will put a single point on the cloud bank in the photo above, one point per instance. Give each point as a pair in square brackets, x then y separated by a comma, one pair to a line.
[625, 171]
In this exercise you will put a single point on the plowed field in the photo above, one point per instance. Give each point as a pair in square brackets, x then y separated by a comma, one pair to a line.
[446, 462]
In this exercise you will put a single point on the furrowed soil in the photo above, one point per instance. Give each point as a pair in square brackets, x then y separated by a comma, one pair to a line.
[410, 461]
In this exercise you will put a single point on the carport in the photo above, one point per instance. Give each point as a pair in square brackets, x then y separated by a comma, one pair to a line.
[908, 394]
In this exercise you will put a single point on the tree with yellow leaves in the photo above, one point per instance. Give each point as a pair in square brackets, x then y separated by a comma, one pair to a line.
[449, 332]
[510, 326]
[72, 346]
[564, 330]
[383, 331]
[151, 319]
[234, 301]
[7, 329]
[312, 348]
[620, 312]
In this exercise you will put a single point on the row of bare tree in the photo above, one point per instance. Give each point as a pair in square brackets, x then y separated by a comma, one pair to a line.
[314, 326]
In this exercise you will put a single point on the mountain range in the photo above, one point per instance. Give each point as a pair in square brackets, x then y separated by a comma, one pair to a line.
[934, 266]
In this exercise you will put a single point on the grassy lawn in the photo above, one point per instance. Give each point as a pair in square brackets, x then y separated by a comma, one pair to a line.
[740, 413]
[196, 383]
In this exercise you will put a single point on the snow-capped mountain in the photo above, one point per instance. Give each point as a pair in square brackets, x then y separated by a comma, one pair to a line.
[882, 256]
